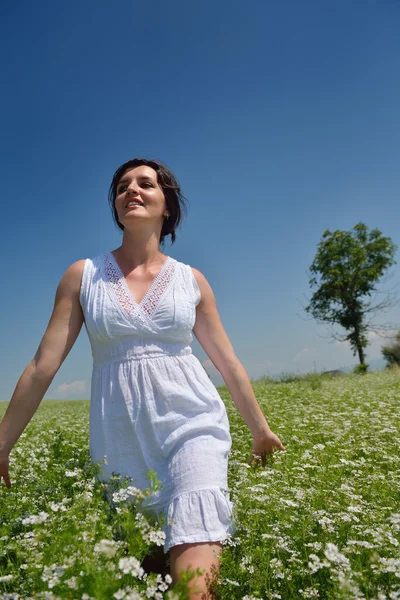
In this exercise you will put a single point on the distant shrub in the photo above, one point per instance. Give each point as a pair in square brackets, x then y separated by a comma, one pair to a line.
[361, 369]
[391, 354]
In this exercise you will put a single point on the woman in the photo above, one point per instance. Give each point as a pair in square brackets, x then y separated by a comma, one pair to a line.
[152, 403]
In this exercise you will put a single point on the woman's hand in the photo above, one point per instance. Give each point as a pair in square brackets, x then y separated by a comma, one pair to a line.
[264, 443]
[4, 471]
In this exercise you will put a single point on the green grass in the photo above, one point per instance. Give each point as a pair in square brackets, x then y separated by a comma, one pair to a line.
[321, 520]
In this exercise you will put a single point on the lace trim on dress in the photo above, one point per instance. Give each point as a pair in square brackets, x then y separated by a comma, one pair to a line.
[158, 287]
[123, 294]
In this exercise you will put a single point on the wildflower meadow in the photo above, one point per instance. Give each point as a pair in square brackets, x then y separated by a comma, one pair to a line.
[320, 520]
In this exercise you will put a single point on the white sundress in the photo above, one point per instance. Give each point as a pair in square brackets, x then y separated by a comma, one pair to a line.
[152, 403]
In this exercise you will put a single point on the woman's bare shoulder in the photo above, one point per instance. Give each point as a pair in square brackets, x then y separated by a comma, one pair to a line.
[72, 277]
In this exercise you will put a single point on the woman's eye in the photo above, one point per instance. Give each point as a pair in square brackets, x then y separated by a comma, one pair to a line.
[123, 187]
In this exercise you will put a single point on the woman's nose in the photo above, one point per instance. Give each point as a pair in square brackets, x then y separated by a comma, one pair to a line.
[131, 189]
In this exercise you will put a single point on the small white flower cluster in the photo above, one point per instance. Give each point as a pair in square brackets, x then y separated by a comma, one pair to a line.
[107, 547]
[127, 594]
[390, 565]
[315, 563]
[395, 518]
[289, 502]
[12, 596]
[35, 519]
[53, 574]
[164, 585]
[59, 506]
[231, 541]
[154, 588]
[148, 533]
[87, 495]
[276, 564]
[72, 583]
[131, 565]
[246, 564]
[6, 578]
[151, 592]
[231, 582]
[326, 524]
[127, 493]
[356, 509]
[334, 556]
[309, 592]
[75, 473]
[363, 543]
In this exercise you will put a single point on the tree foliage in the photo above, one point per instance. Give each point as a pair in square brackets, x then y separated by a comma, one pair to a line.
[349, 263]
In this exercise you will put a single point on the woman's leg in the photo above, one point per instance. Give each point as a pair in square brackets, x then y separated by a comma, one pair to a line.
[202, 555]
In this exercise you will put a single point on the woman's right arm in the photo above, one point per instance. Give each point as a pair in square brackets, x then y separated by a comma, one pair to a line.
[61, 333]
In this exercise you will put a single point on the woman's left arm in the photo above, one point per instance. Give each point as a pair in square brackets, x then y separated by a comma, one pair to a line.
[211, 334]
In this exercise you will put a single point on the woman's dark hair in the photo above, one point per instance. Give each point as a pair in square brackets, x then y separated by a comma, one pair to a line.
[174, 198]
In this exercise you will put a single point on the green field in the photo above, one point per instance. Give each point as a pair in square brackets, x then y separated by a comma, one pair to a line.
[321, 520]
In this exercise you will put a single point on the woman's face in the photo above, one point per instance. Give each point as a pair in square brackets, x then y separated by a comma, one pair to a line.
[140, 184]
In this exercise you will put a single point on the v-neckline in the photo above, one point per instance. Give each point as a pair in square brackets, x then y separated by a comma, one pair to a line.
[149, 289]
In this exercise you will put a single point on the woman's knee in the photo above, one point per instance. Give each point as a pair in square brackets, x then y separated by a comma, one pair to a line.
[199, 555]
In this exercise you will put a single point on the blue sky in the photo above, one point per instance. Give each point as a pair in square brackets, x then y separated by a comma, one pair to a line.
[280, 121]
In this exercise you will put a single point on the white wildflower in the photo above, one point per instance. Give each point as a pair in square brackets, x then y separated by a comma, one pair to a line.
[127, 493]
[277, 565]
[131, 565]
[150, 591]
[389, 565]
[334, 556]
[395, 518]
[326, 524]
[158, 537]
[163, 586]
[56, 506]
[289, 502]
[232, 582]
[246, 564]
[170, 596]
[363, 543]
[309, 592]
[357, 509]
[72, 583]
[136, 596]
[107, 547]
[74, 473]
[316, 563]
[36, 519]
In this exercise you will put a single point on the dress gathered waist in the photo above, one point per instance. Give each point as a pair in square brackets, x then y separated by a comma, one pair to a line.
[130, 349]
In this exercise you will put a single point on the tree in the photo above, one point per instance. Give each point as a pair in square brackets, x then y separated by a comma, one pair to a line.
[349, 264]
